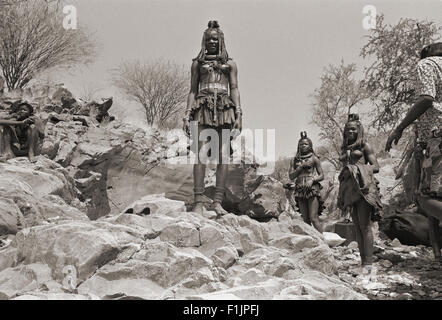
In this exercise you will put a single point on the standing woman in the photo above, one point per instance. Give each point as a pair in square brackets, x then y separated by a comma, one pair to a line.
[214, 104]
[307, 187]
[358, 190]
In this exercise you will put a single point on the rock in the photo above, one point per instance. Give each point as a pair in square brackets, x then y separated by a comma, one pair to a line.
[14, 281]
[63, 97]
[321, 259]
[93, 109]
[150, 226]
[155, 204]
[374, 286]
[24, 177]
[181, 234]
[266, 199]
[55, 296]
[405, 296]
[353, 245]
[300, 227]
[409, 228]
[294, 243]
[150, 271]
[395, 243]
[319, 286]
[261, 291]
[333, 239]
[213, 237]
[386, 263]
[83, 245]
[11, 219]
[225, 257]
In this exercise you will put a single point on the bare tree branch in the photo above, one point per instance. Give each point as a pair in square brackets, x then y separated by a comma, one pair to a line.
[160, 87]
[33, 40]
[332, 101]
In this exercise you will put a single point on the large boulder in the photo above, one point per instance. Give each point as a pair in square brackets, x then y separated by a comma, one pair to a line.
[21, 279]
[266, 199]
[36, 193]
[84, 245]
[410, 228]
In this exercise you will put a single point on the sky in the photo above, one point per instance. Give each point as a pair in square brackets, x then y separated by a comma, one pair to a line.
[281, 48]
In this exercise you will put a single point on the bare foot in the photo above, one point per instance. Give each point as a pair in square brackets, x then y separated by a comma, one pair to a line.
[216, 206]
[32, 159]
[198, 208]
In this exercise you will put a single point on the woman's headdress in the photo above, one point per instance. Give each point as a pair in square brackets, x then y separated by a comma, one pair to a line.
[360, 140]
[304, 137]
[222, 52]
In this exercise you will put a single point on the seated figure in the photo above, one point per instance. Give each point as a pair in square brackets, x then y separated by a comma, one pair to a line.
[23, 136]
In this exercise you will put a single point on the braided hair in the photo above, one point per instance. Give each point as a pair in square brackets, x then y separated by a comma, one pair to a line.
[222, 55]
[360, 140]
[304, 137]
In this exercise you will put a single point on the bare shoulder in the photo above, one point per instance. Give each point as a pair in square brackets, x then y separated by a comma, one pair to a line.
[195, 65]
[232, 64]
[368, 148]
[316, 159]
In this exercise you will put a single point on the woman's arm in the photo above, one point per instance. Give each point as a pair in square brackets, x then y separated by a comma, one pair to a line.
[194, 80]
[11, 122]
[233, 83]
[234, 93]
[294, 171]
[319, 170]
[371, 158]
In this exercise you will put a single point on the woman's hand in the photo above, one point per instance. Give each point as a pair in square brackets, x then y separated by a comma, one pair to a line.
[186, 126]
[27, 121]
[394, 137]
[238, 124]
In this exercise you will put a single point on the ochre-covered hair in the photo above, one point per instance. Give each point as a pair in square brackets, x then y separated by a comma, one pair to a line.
[304, 137]
[360, 140]
[222, 52]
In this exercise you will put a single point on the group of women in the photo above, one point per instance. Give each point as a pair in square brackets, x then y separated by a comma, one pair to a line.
[214, 102]
[358, 189]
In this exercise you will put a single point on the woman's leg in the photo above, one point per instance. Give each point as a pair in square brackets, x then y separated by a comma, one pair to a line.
[433, 209]
[313, 205]
[358, 233]
[222, 171]
[6, 151]
[365, 224]
[303, 207]
[199, 172]
[32, 141]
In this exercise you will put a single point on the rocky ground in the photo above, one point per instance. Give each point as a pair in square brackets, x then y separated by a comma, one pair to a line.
[402, 272]
[154, 249]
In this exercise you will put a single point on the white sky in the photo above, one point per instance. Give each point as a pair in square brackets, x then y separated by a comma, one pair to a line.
[280, 47]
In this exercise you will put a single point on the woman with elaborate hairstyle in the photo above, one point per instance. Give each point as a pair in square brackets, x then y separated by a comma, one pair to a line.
[358, 190]
[307, 189]
[428, 111]
[214, 103]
